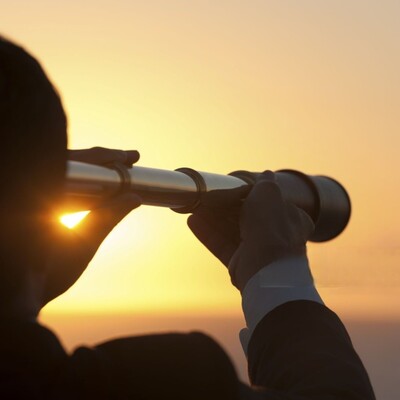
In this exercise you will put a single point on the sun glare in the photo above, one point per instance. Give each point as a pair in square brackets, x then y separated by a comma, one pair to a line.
[71, 220]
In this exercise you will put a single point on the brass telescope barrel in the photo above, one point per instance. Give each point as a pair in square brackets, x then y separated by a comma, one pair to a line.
[323, 198]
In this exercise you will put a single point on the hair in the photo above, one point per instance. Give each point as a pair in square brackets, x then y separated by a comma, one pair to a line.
[33, 143]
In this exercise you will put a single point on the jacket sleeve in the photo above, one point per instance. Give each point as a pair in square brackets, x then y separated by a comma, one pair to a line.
[301, 350]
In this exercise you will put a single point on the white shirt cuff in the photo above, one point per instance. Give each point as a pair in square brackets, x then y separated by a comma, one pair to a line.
[278, 283]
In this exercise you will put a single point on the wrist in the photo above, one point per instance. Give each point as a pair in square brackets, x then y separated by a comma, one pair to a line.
[281, 282]
[249, 260]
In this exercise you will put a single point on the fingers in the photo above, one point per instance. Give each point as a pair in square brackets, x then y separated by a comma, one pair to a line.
[226, 224]
[220, 241]
[263, 204]
[103, 219]
[266, 214]
[103, 156]
[225, 198]
[302, 222]
[265, 190]
[132, 157]
[267, 176]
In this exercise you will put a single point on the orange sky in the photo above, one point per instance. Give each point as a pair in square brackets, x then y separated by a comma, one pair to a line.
[220, 86]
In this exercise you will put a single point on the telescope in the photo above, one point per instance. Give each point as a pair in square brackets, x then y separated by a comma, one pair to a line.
[324, 199]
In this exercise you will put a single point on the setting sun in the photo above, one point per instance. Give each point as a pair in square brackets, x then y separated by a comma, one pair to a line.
[71, 220]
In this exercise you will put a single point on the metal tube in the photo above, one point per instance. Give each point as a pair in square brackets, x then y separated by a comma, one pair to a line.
[87, 185]
[324, 199]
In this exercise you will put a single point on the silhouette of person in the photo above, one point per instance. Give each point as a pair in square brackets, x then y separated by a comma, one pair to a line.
[297, 348]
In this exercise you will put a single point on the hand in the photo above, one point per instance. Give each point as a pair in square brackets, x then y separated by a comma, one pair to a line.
[102, 156]
[70, 251]
[265, 230]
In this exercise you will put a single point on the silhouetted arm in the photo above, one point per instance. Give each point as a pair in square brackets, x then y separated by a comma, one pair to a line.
[301, 350]
[297, 349]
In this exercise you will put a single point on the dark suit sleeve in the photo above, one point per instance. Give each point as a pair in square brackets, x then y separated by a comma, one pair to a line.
[301, 350]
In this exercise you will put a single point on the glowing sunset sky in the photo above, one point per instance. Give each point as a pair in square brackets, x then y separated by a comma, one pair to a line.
[220, 86]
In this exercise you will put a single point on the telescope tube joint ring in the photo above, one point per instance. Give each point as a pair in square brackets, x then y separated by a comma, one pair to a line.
[201, 188]
[123, 172]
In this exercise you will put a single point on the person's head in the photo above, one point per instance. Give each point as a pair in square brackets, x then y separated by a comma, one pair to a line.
[33, 142]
